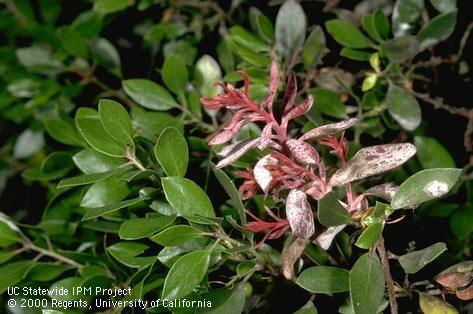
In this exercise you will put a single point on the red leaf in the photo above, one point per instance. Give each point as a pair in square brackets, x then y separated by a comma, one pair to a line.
[329, 129]
[303, 152]
[290, 94]
[237, 154]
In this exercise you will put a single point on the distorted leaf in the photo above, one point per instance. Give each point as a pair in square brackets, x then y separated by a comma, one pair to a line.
[299, 214]
[415, 261]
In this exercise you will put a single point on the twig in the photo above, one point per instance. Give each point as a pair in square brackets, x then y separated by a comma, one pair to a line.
[52, 254]
[387, 274]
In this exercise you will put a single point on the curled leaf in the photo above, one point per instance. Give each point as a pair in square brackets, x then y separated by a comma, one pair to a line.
[328, 129]
[299, 214]
[262, 174]
[303, 152]
[372, 160]
[237, 154]
[454, 281]
[385, 191]
[290, 255]
[325, 239]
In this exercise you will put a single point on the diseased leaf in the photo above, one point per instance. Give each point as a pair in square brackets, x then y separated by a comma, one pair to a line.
[347, 34]
[303, 152]
[299, 214]
[424, 186]
[444, 6]
[325, 239]
[373, 160]
[405, 16]
[366, 285]
[330, 212]
[328, 129]
[172, 152]
[401, 49]
[186, 274]
[403, 108]
[149, 94]
[290, 29]
[438, 29]
[324, 279]
[415, 261]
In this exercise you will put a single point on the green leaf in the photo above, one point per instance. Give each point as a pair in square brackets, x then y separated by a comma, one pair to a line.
[438, 29]
[99, 211]
[63, 132]
[366, 285]
[137, 228]
[355, 54]
[265, 28]
[175, 74]
[149, 94]
[108, 191]
[328, 102]
[444, 6]
[403, 107]
[73, 42]
[92, 130]
[314, 48]
[169, 255]
[405, 16]
[432, 154]
[107, 55]
[376, 25]
[425, 186]
[415, 261]
[433, 305]
[247, 39]
[116, 121]
[324, 279]
[187, 197]
[346, 34]
[172, 152]
[9, 233]
[151, 124]
[401, 49]
[291, 23]
[69, 284]
[225, 300]
[231, 191]
[84, 179]
[461, 221]
[90, 161]
[207, 71]
[176, 235]
[111, 6]
[128, 253]
[308, 308]
[46, 271]
[13, 273]
[370, 235]
[330, 212]
[186, 274]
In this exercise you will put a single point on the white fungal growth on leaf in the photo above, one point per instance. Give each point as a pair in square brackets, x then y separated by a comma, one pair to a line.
[436, 188]
[303, 152]
[328, 129]
[372, 160]
[299, 214]
[325, 239]
[262, 174]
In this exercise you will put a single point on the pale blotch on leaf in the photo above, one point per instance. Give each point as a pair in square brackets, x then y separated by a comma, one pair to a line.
[372, 160]
[325, 239]
[262, 174]
[328, 129]
[299, 214]
[303, 152]
[436, 188]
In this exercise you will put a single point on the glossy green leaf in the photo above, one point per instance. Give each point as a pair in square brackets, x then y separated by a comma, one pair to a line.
[370, 235]
[88, 178]
[137, 228]
[330, 212]
[169, 255]
[290, 29]
[107, 191]
[109, 208]
[73, 42]
[111, 6]
[187, 197]
[247, 39]
[432, 154]
[231, 191]
[415, 261]
[346, 34]
[9, 232]
[128, 253]
[228, 301]
[91, 128]
[116, 121]
[461, 221]
[63, 132]
[175, 74]
[265, 28]
[107, 55]
[308, 308]
[401, 49]
[13, 273]
[328, 102]
[67, 283]
[444, 6]
[172, 152]
[149, 94]
[355, 54]
[186, 274]
[151, 124]
[403, 107]
[405, 16]
[425, 186]
[314, 48]
[324, 279]
[46, 271]
[438, 29]
[90, 161]
[366, 285]
[176, 235]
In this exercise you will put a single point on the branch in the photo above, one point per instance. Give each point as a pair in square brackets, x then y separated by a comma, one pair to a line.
[387, 274]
